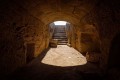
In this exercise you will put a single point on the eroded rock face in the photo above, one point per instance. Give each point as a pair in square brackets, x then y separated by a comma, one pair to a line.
[85, 39]
[105, 18]
[23, 37]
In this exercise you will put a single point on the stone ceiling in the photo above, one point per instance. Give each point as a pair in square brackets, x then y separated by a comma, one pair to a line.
[51, 10]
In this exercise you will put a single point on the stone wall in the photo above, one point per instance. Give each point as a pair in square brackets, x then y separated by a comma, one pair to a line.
[23, 37]
[105, 17]
[51, 28]
[69, 31]
[85, 39]
[89, 39]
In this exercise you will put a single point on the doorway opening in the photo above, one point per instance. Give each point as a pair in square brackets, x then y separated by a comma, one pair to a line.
[59, 33]
[60, 23]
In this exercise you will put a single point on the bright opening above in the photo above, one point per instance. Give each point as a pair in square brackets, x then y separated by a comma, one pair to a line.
[60, 22]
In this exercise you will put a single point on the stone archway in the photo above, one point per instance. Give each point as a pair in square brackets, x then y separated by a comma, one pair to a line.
[61, 32]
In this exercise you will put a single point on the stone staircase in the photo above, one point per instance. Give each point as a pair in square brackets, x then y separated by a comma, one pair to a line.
[60, 35]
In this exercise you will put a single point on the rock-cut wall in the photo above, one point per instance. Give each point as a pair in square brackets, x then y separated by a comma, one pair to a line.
[106, 18]
[22, 38]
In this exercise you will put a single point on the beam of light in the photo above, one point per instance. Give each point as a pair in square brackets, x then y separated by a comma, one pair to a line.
[64, 56]
[60, 22]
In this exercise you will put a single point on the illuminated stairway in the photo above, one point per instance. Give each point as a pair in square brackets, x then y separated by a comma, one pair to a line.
[60, 35]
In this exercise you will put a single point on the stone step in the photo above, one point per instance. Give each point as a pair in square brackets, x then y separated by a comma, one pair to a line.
[60, 28]
[62, 43]
[62, 39]
[59, 33]
[59, 36]
[55, 37]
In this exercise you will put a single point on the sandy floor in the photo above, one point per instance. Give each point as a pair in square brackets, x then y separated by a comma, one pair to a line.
[61, 63]
[64, 56]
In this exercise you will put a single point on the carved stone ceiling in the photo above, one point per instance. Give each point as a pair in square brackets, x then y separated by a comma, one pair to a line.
[51, 10]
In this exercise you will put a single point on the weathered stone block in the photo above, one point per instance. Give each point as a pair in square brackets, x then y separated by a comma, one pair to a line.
[53, 43]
